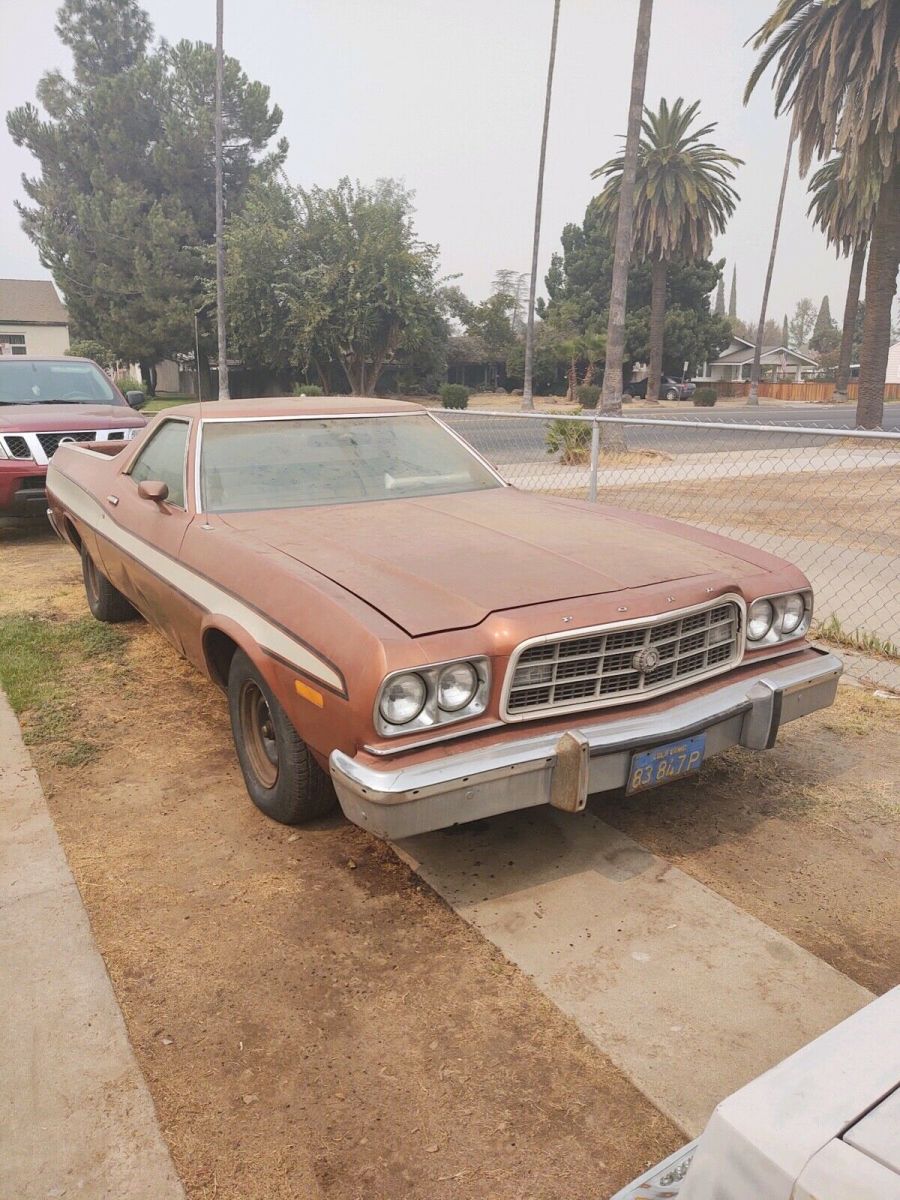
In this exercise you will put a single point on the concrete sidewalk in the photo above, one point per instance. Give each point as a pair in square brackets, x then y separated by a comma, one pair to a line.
[76, 1118]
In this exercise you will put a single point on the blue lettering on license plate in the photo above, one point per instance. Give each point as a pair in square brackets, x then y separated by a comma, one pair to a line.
[650, 768]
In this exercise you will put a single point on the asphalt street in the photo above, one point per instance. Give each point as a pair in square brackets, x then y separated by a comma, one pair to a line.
[509, 438]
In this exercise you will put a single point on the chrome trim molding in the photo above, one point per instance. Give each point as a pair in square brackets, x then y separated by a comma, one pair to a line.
[399, 799]
[191, 583]
[614, 627]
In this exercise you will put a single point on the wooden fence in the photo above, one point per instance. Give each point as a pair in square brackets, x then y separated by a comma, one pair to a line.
[808, 393]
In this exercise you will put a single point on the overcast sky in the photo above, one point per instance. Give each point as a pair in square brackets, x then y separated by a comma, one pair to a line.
[448, 96]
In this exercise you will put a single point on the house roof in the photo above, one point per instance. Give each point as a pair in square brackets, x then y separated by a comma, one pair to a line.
[31, 302]
[745, 356]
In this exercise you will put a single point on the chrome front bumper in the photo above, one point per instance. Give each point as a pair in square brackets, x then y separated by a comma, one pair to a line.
[397, 799]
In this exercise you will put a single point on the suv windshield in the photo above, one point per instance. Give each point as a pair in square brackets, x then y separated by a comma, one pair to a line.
[251, 465]
[51, 382]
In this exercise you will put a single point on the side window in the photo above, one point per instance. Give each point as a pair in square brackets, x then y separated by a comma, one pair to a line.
[163, 459]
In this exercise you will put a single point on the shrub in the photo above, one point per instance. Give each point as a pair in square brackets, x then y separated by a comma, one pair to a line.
[454, 395]
[571, 440]
[705, 397]
[588, 395]
[129, 385]
[307, 389]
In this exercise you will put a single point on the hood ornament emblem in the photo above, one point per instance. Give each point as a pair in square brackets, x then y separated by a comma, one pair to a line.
[567, 620]
[646, 659]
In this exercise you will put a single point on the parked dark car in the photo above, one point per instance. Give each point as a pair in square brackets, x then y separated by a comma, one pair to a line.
[46, 402]
[669, 389]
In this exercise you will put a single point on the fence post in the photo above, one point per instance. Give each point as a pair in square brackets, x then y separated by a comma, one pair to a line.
[595, 457]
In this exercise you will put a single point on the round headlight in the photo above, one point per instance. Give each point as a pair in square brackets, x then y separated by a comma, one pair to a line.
[403, 699]
[792, 613]
[457, 685]
[760, 616]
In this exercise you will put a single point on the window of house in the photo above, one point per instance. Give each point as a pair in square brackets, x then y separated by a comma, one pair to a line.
[163, 460]
[12, 343]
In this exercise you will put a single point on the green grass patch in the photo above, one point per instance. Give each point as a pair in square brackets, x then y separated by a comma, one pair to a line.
[39, 658]
[157, 405]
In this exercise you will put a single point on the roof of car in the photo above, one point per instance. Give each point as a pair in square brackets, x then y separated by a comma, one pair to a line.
[297, 406]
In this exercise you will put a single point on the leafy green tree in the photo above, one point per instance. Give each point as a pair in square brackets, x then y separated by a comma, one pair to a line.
[122, 207]
[803, 321]
[362, 289]
[579, 284]
[836, 72]
[682, 198]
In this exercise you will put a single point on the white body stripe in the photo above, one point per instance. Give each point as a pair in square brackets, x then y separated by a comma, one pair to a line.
[195, 586]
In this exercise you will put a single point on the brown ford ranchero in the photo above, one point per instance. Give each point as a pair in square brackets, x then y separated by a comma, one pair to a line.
[381, 607]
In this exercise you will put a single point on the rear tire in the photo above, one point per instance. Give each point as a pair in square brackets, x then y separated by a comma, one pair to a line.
[671, 394]
[282, 777]
[105, 601]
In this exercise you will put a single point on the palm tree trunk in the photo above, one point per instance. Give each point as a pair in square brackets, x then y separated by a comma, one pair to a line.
[615, 331]
[881, 287]
[753, 398]
[220, 212]
[851, 307]
[527, 393]
[657, 326]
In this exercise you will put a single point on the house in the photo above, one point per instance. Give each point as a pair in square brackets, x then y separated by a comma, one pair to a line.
[893, 364]
[33, 319]
[776, 362]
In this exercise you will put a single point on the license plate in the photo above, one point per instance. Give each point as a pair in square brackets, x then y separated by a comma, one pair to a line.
[650, 768]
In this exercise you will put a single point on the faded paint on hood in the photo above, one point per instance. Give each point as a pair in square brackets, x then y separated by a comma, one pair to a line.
[447, 562]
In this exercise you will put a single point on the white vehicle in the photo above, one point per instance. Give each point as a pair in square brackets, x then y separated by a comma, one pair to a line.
[822, 1125]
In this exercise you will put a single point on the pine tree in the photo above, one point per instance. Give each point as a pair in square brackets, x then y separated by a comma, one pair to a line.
[720, 298]
[784, 333]
[732, 303]
[129, 242]
[823, 320]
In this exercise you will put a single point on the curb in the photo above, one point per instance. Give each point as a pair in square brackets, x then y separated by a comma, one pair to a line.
[76, 1114]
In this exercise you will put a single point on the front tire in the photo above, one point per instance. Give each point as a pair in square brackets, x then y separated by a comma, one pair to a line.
[282, 777]
[671, 394]
[105, 601]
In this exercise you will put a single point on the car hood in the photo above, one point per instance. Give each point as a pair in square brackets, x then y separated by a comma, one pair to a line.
[447, 562]
[46, 418]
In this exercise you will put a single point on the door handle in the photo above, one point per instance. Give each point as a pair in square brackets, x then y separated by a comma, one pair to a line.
[113, 500]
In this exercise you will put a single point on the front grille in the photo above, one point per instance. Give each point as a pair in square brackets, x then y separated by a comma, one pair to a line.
[50, 441]
[605, 667]
[17, 446]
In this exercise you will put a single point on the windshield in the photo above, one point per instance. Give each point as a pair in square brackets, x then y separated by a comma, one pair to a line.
[50, 382]
[251, 465]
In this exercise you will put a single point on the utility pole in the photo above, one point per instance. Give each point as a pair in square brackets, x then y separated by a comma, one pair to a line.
[527, 389]
[224, 393]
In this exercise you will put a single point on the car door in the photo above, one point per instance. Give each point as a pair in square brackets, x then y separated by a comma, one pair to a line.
[143, 561]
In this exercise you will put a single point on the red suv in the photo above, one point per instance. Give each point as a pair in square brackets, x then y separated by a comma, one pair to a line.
[45, 401]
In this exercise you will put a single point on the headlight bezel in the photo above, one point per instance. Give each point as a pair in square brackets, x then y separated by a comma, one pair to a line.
[431, 715]
[776, 635]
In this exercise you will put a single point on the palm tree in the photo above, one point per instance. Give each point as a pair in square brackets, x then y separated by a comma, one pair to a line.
[836, 70]
[527, 393]
[843, 212]
[615, 330]
[683, 196]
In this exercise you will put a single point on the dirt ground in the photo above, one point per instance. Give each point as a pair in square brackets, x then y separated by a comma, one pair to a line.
[314, 1022]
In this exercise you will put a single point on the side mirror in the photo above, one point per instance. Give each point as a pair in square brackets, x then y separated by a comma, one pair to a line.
[153, 489]
[136, 399]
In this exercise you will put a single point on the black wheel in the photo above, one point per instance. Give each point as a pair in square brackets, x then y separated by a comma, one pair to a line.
[105, 601]
[282, 777]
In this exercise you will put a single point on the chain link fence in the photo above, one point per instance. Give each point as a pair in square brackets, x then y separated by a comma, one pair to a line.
[825, 499]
